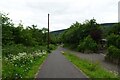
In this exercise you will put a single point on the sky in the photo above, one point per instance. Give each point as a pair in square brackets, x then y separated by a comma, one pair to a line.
[119, 11]
[63, 13]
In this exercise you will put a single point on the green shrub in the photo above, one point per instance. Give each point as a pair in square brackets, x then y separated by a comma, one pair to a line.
[113, 52]
[19, 48]
[52, 47]
[12, 49]
[87, 44]
[81, 47]
[118, 42]
[20, 64]
[113, 40]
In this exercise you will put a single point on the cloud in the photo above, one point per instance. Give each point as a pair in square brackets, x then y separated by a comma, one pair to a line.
[62, 12]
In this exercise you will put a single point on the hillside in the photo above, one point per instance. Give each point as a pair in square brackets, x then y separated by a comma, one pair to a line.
[103, 24]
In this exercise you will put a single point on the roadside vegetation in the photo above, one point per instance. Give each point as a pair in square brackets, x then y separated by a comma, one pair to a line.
[91, 37]
[79, 36]
[92, 70]
[113, 44]
[23, 49]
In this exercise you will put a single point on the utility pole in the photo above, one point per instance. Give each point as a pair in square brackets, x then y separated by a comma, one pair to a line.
[48, 33]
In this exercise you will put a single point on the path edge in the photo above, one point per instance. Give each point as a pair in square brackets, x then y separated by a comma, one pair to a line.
[41, 66]
[77, 67]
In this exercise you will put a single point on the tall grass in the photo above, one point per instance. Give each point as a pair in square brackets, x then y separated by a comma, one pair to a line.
[22, 62]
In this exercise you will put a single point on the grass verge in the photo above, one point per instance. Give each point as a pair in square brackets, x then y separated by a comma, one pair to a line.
[92, 70]
[18, 72]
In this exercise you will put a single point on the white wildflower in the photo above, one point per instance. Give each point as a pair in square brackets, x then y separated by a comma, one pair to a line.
[44, 52]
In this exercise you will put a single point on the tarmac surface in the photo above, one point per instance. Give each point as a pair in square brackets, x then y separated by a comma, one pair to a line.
[57, 66]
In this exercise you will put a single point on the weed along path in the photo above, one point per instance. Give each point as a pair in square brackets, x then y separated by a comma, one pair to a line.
[57, 66]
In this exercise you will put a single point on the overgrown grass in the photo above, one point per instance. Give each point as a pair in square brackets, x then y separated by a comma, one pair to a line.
[25, 69]
[93, 70]
[22, 62]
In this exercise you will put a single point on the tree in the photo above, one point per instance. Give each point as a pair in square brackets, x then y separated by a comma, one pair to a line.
[114, 29]
[79, 31]
[7, 28]
[29, 36]
[87, 44]
[93, 29]
[114, 40]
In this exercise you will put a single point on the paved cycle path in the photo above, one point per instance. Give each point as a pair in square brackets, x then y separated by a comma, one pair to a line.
[57, 66]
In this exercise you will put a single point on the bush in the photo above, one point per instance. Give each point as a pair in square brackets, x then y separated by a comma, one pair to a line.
[14, 49]
[113, 43]
[113, 40]
[87, 44]
[20, 64]
[113, 52]
[52, 47]
[118, 42]
[81, 47]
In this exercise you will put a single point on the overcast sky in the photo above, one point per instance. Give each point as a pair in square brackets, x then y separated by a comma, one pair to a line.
[63, 13]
